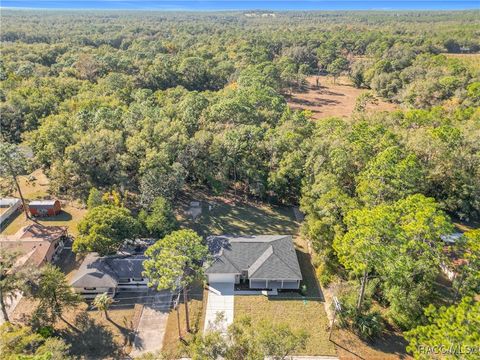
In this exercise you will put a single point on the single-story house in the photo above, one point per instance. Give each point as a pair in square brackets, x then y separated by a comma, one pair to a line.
[44, 207]
[109, 274]
[36, 243]
[8, 207]
[260, 262]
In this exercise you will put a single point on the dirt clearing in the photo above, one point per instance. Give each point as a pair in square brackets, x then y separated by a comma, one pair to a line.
[331, 99]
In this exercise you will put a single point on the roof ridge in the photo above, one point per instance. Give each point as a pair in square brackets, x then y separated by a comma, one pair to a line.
[260, 260]
[294, 270]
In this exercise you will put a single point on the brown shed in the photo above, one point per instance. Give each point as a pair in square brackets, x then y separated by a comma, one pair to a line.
[44, 207]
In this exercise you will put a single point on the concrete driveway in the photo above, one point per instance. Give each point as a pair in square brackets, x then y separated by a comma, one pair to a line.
[220, 300]
[153, 322]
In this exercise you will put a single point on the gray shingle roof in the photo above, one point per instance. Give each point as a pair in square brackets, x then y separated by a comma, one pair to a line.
[263, 257]
[97, 271]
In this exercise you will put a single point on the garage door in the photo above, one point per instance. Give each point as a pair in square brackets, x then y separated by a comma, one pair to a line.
[221, 278]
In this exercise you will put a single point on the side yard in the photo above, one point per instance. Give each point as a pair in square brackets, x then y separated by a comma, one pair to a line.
[35, 186]
[88, 331]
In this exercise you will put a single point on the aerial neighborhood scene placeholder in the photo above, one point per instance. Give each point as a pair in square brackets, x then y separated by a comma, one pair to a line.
[215, 181]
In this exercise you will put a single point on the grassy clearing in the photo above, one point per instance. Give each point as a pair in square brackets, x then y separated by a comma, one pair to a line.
[38, 188]
[472, 61]
[329, 99]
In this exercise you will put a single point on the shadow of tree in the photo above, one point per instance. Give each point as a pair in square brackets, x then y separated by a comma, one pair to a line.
[61, 216]
[244, 219]
[127, 333]
[93, 341]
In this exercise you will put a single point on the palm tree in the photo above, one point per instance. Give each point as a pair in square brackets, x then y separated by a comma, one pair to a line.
[102, 302]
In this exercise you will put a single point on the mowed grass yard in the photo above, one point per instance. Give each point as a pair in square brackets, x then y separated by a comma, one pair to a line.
[172, 346]
[221, 216]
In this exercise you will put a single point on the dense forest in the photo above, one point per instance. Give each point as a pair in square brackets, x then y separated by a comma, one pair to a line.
[147, 103]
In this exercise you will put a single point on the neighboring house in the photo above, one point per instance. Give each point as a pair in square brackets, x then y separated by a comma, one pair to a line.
[258, 262]
[36, 243]
[44, 207]
[8, 207]
[109, 274]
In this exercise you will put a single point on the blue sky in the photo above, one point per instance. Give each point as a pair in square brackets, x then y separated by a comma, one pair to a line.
[243, 5]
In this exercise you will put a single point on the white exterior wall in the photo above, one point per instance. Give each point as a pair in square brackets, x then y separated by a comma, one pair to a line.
[16, 204]
[221, 278]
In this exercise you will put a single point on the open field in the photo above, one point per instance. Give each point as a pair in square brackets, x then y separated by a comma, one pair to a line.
[472, 61]
[331, 99]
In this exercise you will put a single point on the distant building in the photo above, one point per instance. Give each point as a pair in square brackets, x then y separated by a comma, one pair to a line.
[44, 207]
[8, 207]
[37, 244]
[109, 274]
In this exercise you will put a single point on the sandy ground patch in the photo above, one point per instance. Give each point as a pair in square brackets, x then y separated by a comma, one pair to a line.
[331, 99]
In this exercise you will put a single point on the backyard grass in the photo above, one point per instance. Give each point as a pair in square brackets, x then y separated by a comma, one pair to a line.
[221, 216]
[70, 216]
[172, 345]
[36, 186]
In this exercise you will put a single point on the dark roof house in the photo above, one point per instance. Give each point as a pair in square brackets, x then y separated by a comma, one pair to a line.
[109, 274]
[265, 261]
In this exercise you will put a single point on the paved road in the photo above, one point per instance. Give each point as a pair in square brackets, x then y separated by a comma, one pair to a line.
[220, 300]
[152, 324]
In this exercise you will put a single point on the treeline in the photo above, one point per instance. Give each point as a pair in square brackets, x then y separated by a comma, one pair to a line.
[177, 98]
[137, 105]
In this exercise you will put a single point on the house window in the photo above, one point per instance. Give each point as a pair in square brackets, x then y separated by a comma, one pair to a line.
[90, 288]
